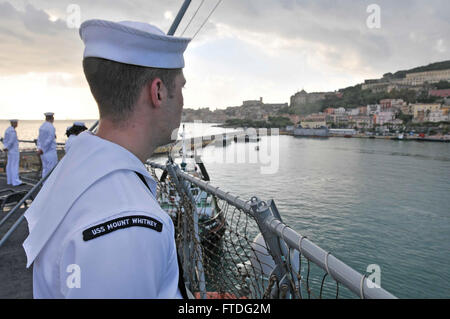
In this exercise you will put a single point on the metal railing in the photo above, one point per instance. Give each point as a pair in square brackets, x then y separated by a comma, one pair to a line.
[32, 192]
[243, 250]
[267, 265]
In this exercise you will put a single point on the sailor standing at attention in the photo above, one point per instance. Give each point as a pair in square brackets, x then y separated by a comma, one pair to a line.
[46, 144]
[96, 229]
[11, 144]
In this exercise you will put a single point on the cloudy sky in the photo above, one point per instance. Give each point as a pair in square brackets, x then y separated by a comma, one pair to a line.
[247, 49]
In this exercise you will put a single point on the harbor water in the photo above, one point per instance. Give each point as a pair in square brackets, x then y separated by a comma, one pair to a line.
[366, 201]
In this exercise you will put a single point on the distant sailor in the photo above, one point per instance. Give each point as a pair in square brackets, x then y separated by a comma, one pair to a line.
[68, 133]
[46, 144]
[96, 228]
[11, 144]
[72, 132]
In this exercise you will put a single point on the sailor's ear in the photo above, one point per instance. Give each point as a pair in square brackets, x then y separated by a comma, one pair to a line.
[157, 92]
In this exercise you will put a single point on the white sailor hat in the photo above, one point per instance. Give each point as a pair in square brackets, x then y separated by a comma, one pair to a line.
[132, 42]
[79, 124]
[49, 113]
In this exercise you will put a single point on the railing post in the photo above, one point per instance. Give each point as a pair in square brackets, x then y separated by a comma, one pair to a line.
[276, 247]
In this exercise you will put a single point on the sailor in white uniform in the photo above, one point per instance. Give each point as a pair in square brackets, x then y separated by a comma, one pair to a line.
[96, 229]
[46, 144]
[11, 144]
[72, 132]
[68, 142]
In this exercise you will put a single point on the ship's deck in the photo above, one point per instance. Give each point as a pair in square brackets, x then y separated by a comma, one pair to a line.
[15, 279]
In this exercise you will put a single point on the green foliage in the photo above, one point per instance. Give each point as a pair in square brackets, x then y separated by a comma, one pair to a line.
[279, 121]
[286, 110]
[442, 85]
[406, 95]
[406, 118]
[352, 97]
[425, 98]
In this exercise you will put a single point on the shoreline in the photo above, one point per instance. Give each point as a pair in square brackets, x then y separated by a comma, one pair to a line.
[441, 139]
[426, 138]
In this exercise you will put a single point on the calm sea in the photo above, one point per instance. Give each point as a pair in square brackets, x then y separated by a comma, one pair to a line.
[366, 201]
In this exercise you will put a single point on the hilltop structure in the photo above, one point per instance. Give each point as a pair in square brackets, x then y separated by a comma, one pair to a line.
[418, 96]
[250, 109]
[414, 79]
[302, 97]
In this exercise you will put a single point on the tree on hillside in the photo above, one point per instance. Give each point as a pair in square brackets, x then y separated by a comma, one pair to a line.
[425, 98]
[442, 85]
[404, 117]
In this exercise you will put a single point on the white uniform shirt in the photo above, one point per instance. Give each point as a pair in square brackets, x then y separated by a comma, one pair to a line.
[83, 222]
[69, 142]
[46, 139]
[10, 140]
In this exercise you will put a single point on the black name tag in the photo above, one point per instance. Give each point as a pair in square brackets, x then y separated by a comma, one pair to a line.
[120, 223]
